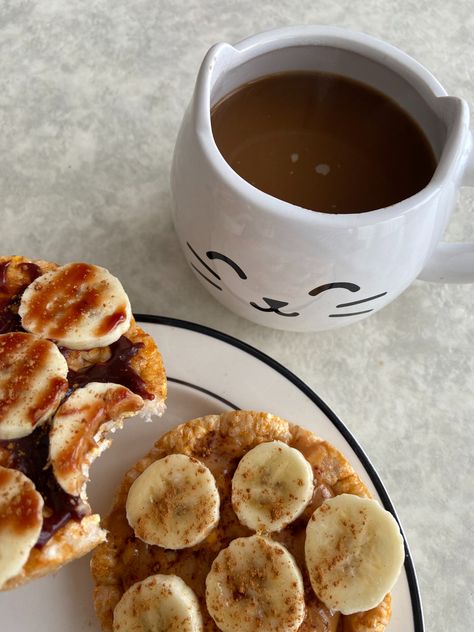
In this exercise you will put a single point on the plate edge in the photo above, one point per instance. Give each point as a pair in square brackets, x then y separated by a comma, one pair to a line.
[306, 390]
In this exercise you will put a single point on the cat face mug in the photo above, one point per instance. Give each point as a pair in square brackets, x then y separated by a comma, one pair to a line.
[280, 264]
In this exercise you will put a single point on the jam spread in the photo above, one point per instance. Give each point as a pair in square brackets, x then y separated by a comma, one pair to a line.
[3, 276]
[9, 318]
[116, 369]
[109, 323]
[30, 454]
[9, 304]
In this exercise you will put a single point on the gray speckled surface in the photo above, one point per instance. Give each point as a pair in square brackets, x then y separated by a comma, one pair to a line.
[91, 96]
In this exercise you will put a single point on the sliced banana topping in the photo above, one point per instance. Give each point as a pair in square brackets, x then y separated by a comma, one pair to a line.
[255, 584]
[21, 520]
[160, 603]
[174, 503]
[272, 485]
[79, 427]
[79, 305]
[354, 553]
[32, 383]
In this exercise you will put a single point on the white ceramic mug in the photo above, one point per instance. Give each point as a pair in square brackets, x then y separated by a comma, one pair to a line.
[284, 266]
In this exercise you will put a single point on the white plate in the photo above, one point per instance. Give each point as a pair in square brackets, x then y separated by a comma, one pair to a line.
[208, 372]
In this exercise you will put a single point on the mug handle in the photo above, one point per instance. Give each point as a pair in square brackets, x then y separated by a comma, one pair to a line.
[453, 262]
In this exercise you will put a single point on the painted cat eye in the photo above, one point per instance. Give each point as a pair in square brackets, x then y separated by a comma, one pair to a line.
[212, 254]
[217, 255]
[352, 287]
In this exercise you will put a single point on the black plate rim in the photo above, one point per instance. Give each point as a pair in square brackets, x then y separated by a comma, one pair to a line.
[306, 390]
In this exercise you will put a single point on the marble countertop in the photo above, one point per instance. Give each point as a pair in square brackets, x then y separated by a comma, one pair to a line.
[91, 97]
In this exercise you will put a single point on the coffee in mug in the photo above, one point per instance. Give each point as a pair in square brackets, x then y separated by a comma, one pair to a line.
[323, 142]
[280, 265]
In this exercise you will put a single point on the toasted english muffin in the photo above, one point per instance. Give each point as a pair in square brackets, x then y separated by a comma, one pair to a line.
[60, 396]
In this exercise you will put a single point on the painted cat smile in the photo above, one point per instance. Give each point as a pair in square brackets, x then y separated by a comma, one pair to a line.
[273, 306]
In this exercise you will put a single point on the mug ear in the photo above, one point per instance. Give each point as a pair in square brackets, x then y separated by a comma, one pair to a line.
[453, 262]
[352, 287]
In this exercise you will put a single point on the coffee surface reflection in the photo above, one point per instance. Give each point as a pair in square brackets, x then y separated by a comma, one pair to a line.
[323, 142]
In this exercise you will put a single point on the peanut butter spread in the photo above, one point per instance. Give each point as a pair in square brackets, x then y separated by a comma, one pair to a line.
[219, 442]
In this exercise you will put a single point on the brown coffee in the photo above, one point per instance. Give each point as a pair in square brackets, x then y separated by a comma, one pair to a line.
[323, 142]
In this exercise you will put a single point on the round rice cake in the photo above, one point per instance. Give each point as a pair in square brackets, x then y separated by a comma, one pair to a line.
[127, 374]
[219, 442]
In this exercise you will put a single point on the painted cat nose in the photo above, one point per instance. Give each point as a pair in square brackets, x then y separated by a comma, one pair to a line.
[273, 303]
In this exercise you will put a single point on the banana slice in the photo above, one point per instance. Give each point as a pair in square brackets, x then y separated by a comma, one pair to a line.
[32, 383]
[272, 485]
[354, 553]
[255, 584]
[159, 603]
[79, 427]
[21, 520]
[174, 503]
[80, 306]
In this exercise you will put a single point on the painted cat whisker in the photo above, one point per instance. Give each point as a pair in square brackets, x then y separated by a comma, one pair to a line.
[366, 311]
[362, 300]
[203, 263]
[205, 277]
